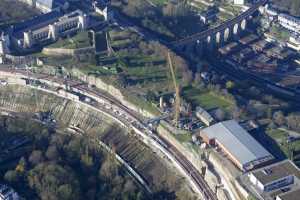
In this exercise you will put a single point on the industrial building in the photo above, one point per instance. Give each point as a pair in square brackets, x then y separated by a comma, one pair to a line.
[241, 148]
[275, 176]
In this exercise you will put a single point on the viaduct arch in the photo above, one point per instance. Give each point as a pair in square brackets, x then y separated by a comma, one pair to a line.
[222, 33]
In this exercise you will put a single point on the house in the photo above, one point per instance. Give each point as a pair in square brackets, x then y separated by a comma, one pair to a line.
[209, 15]
[248, 39]
[275, 176]
[240, 147]
[245, 54]
[294, 42]
[229, 48]
[289, 22]
[260, 45]
[271, 13]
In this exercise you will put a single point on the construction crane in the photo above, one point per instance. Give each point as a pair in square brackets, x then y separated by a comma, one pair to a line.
[177, 91]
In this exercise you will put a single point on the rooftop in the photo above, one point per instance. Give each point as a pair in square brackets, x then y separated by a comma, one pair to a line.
[248, 39]
[291, 195]
[276, 171]
[237, 141]
[7, 193]
[204, 114]
[261, 43]
[35, 23]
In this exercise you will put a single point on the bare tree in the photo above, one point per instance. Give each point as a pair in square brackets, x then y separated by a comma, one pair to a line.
[36, 157]
[279, 118]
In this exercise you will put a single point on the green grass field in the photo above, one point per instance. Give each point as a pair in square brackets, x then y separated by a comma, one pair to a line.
[207, 100]
[80, 40]
[277, 134]
[159, 2]
[183, 138]
[281, 139]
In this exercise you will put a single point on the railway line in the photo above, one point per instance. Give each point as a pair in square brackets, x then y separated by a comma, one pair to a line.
[135, 122]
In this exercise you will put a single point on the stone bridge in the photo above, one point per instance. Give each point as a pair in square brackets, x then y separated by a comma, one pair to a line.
[216, 36]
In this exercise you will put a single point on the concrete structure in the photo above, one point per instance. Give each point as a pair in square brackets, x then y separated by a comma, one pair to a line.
[215, 37]
[242, 149]
[102, 7]
[239, 2]
[7, 193]
[209, 15]
[260, 45]
[291, 195]
[47, 28]
[204, 116]
[229, 48]
[275, 176]
[46, 6]
[270, 13]
[4, 44]
[294, 42]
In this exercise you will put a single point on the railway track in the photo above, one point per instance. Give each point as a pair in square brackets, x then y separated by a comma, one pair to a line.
[193, 172]
[188, 167]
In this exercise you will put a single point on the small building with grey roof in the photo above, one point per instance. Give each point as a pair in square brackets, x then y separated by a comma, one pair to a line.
[290, 195]
[242, 149]
[204, 116]
[275, 176]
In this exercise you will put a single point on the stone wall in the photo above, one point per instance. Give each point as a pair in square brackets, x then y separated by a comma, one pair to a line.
[67, 113]
[112, 90]
[58, 52]
[100, 84]
[67, 52]
[193, 157]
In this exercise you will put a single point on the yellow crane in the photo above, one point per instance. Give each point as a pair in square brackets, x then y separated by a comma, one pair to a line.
[177, 91]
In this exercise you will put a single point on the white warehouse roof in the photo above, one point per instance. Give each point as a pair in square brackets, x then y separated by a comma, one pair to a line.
[238, 142]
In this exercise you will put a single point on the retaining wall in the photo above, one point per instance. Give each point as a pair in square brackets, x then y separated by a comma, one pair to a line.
[67, 52]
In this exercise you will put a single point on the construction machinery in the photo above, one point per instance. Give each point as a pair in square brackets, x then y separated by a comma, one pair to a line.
[177, 91]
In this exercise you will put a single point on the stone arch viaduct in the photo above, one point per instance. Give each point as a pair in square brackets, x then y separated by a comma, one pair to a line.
[216, 36]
